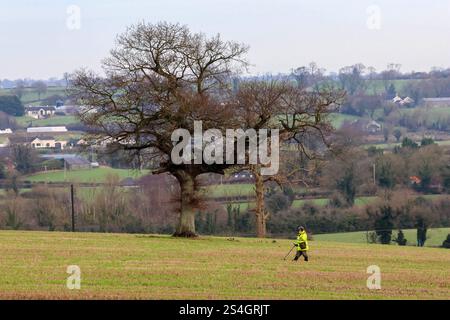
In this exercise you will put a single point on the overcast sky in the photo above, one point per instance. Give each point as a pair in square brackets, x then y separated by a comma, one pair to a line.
[41, 38]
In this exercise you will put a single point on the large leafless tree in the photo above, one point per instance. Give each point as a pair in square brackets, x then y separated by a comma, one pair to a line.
[300, 114]
[161, 77]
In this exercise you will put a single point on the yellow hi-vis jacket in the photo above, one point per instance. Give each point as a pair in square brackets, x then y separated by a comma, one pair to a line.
[302, 241]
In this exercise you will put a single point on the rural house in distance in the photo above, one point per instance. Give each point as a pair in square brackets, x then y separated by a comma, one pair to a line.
[40, 112]
[37, 142]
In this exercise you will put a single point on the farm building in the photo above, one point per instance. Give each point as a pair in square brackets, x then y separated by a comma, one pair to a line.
[40, 112]
[436, 102]
[47, 142]
[46, 129]
[75, 163]
[37, 142]
[403, 101]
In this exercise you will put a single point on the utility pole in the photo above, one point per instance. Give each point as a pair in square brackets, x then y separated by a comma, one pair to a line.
[73, 207]
[65, 169]
[374, 178]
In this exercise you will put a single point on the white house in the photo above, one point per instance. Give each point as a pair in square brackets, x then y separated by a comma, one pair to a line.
[40, 112]
[403, 102]
[46, 129]
[6, 131]
[47, 142]
[397, 99]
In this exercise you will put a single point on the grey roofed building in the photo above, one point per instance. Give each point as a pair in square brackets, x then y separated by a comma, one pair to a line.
[45, 108]
[436, 102]
[446, 99]
[47, 129]
[77, 163]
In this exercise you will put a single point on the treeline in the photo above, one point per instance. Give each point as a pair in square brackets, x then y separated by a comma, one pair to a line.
[152, 208]
[422, 167]
[109, 208]
[393, 212]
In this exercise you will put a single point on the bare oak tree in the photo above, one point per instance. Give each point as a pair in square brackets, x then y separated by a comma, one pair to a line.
[161, 77]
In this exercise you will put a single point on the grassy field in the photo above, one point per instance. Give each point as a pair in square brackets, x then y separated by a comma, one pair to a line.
[392, 145]
[338, 119]
[53, 121]
[230, 190]
[113, 266]
[377, 86]
[85, 175]
[434, 113]
[435, 237]
[359, 201]
[30, 96]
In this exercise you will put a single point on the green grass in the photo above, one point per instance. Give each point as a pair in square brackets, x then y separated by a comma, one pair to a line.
[230, 190]
[318, 202]
[377, 86]
[114, 266]
[444, 143]
[30, 96]
[432, 114]
[359, 201]
[392, 145]
[338, 119]
[84, 176]
[435, 236]
[321, 202]
[53, 121]
[296, 204]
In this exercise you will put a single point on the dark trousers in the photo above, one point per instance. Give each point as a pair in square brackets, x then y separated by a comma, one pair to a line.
[301, 253]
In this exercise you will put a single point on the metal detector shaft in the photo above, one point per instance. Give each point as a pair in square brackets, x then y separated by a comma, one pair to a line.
[289, 252]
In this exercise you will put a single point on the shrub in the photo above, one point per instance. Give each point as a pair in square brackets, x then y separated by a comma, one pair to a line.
[401, 240]
[12, 106]
[446, 243]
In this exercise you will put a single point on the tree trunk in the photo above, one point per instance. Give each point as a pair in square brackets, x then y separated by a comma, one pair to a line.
[260, 211]
[186, 223]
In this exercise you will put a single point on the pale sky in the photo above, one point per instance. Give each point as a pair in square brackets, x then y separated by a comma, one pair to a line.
[282, 34]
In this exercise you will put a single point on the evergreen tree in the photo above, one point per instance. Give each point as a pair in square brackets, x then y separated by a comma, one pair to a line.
[446, 243]
[384, 223]
[401, 240]
[391, 92]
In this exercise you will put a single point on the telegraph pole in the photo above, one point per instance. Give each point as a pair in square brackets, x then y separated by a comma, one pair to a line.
[73, 207]
[374, 175]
